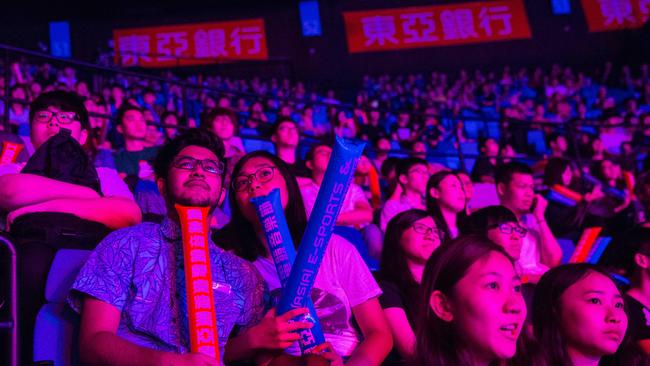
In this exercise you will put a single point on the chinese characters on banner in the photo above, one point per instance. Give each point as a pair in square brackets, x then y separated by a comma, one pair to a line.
[441, 25]
[607, 15]
[191, 44]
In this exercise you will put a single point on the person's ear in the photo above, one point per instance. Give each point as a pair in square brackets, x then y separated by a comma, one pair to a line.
[83, 136]
[501, 189]
[642, 260]
[120, 129]
[162, 187]
[434, 192]
[222, 196]
[309, 165]
[440, 305]
[273, 139]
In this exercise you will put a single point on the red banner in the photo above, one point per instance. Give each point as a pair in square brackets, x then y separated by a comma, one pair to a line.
[608, 15]
[440, 25]
[191, 44]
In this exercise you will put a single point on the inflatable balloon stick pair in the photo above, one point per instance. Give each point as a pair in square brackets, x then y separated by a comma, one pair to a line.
[10, 151]
[297, 287]
[204, 337]
[585, 244]
[271, 216]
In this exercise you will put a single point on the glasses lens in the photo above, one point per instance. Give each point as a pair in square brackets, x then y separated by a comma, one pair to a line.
[64, 117]
[43, 115]
[212, 166]
[264, 174]
[186, 163]
[240, 183]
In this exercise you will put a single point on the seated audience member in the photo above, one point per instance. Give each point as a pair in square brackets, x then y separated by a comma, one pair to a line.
[411, 237]
[559, 145]
[515, 188]
[285, 136]
[412, 175]
[473, 311]
[620, 213]
[468, 188]
[446, 202]
[345, 295]
[500, 225]
[170, 121]
[637, 298]
[567, 221]
[133, 127]
[356, 210]
[382, 148]
[486, 164]
[222, 123]
[47, 213]
[120, 328]
[390, 184]
[579, 319]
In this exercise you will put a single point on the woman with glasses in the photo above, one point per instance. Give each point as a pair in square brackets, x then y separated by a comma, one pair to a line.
[500, 225]
[411, 237]
[344, 292]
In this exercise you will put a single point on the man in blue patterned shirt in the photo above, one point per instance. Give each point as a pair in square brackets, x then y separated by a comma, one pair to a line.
[131, 292]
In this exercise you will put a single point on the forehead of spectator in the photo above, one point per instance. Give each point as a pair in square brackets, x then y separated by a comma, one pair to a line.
[281, 123]
[314, 148]
[126, 107]
[406, 164]
[505, 172]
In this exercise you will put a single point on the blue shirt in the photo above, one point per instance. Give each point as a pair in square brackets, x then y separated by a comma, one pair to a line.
[139, 270]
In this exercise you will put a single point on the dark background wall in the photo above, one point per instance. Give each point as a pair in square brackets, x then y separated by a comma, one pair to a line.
[556, 38]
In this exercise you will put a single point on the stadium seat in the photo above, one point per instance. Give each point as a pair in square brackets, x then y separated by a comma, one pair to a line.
[56, 329]
[251, 145]
[354, 237]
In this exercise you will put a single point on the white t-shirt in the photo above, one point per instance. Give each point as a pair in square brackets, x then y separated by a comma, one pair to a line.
[343, 282]
[309, 191]
[530, 259]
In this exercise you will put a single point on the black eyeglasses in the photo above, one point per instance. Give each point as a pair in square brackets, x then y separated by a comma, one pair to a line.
[189, 163]
[509, 229]
[427, 230]
[64, 118]
[262, 175]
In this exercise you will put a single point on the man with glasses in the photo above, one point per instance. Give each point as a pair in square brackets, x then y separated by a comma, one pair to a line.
[131, 292]
[540, 250]
[412, 175]
[46, 214]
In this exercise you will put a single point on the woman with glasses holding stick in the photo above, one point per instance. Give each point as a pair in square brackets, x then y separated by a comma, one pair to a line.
[411, 237]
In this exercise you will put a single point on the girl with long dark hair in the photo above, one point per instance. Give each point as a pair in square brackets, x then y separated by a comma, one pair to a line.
[446, 201]
[411, 237]
[344, 290]
[579, 318]
[473, 310]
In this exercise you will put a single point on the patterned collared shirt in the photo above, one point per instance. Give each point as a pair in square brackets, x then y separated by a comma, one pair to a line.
[139, 270]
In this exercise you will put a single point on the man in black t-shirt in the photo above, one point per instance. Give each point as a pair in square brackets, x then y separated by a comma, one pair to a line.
[637, 298]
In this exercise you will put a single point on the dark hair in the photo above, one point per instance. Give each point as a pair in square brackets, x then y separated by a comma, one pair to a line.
[403, 165]
[637, 242]
[437, 343]
[554, 170]
[281, 120]
[553, 137]
[312, 149]
[63, 100]
[215, 112]
[488, 217]
[547, 309]
[433, 206]
[191, 137]
[119, 117]
[238, 235]
[393, 267]
[389, 164]
[505, 172]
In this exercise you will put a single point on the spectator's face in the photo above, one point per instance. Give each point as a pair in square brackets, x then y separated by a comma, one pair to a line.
[610, 170]
[223, 127]
[491, 148]
[18, 93]
[450, 193]
[416, 178]
[287, 135]
[488, 309]
[420, 240]
[511, 242]
[321, 158]
[117, 93]
[468, 187]
[42, 130]
[195, 187]
[592, 316]
[133, 125]
[82, 89]
[420, 149]
[561, 144]
[259, 167]
[519, 193]
[597, 146]
[567, 176]
[383, 146]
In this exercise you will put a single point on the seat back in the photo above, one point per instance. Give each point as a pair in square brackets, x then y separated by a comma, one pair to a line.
[57, 326]
[355, 238]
